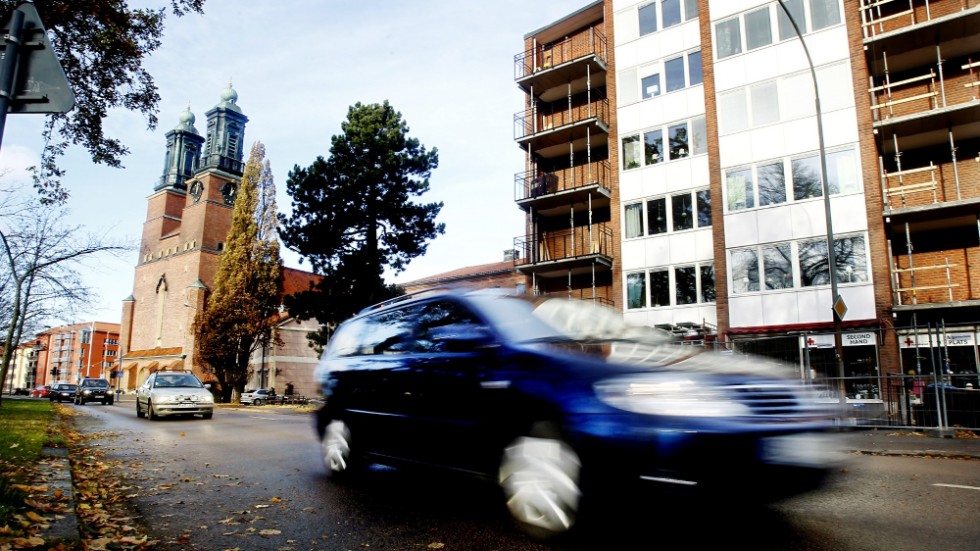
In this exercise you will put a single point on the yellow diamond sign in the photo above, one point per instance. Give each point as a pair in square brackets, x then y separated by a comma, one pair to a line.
[839, 307]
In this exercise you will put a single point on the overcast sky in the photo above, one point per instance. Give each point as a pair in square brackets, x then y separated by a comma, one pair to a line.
[297, 65]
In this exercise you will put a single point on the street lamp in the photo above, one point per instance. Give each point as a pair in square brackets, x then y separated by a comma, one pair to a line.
[831, 253]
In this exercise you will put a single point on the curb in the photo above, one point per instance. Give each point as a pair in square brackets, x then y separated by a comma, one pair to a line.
[55, 468]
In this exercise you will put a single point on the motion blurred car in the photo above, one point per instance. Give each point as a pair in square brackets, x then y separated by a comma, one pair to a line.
[21, 392]
[561, 402]
[172, 393]
[63, 392]
[93, 390]
[259, 396]
[41, 391]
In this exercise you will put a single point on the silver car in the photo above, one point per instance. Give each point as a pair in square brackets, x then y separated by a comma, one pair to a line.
[167, 393]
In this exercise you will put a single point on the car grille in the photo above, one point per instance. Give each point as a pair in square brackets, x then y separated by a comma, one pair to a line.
[780, 400]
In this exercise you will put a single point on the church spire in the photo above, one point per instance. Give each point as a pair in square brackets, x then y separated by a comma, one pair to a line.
[183, 153]
[226, 131]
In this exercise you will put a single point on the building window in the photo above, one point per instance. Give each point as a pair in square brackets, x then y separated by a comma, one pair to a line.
[728, 38]
[657, 216]
[708, 283]
[824, 13]
[631, 152]
[694, 69]
[745, 271]
[659, 288]
[678, 141]
[842, 172]
[733, 115]
[758, 31]
[690, 9]
[849, 254]
[648, 18]
[653, 145]
[686, 285]
[699, 136]
[650, 86]
[806, 178]
[765, 103]
[636, 295]
[704, 208]
[671, 11]
[772, 185]
[683, 211]
[674, 71]
[795, 8]
[741, 194]
[634, 220]
[777, 261]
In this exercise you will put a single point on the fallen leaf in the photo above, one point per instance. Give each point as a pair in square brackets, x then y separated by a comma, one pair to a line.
[436, 545]
[262, 506]
[269, 532]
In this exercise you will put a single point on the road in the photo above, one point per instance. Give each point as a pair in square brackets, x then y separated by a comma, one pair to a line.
[251, 479]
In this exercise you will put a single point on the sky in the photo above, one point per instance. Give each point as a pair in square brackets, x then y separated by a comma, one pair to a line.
[446, 65]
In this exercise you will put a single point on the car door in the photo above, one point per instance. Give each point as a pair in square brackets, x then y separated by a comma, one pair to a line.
[143, 392]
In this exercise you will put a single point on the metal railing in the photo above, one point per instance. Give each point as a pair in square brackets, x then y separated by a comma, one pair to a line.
[546, 56]
[533, 121]
[565, 244]
[531, 183]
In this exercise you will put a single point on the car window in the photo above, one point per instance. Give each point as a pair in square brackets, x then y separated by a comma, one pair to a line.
[440, 319]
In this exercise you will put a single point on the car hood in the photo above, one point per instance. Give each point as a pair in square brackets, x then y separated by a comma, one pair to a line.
[180, 391]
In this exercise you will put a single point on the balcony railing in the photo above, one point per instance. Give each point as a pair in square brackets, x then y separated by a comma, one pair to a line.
[547, 56]
[533, 121]
[934, 283]
[530, 184]
[575, 243]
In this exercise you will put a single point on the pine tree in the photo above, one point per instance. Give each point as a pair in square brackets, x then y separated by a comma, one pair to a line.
[353, 214]
[241, 313]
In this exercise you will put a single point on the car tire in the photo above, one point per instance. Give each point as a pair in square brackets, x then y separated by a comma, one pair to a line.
[540, 475]
[149, 412]
[207, 415]
[257, 402]
[338, 456]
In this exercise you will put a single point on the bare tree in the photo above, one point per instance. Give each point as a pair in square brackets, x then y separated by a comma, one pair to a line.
[39, 262]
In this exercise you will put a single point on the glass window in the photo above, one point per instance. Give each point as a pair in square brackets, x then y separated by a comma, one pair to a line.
[795, 8]
[653, 146]
[634, 220]
[806, 178]
[657, 216]
[651, 86]
[659, 288]
[824, 13]
[671, 11]
[758, 32]
[704, 208]
[699, 136]
[694, 69]
[388, 333]
[777, 261]
[842, 173]
[678, 141]
[772, 185]
[439, 318]
[631, 152]
[682, 209]
[648, 18]
[636, 293]
[741, 194]
[733, 115]
[690, 9]
[674, 71]
[852, 260]
[813, 262]
[745, 271]
[686, 285]
[728, 38]
[765, 103]
[708, 283]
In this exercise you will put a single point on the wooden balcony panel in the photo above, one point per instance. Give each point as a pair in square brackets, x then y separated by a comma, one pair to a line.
[558, 253]
[938, 277]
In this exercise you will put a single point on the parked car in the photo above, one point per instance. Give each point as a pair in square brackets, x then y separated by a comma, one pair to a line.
[561, 402]
[167, 393]
[260, 396]
[41, 391]
[63, 392]
[93, 390]
[21, 392]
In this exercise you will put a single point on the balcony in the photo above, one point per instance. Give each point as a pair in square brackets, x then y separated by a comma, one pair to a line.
[941, 278]
[560, 253]
[578, 127]
[582, 187]
[571, 65]
[884, 20]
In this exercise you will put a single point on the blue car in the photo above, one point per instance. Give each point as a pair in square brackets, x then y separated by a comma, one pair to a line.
[562, 403]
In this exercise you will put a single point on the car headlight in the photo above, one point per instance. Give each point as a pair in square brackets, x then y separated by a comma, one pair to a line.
[678, 396]
[207, 399]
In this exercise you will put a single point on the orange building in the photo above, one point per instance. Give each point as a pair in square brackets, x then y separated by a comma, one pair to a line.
[72, 352]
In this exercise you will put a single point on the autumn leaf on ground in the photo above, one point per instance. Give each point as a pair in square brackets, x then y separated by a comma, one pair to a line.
[269, 532]
[260, 506]
[27, 543]
[275, 500]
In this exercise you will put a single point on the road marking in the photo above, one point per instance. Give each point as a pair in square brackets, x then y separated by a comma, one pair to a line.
[958, 486]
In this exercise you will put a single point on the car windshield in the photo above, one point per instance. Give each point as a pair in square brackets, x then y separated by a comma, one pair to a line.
[177, 380]
[95, 383]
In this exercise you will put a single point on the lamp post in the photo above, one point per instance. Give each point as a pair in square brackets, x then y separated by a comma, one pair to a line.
[831, 253]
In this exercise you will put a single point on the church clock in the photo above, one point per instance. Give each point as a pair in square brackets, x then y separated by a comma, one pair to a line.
[196, 189]
[229, 192]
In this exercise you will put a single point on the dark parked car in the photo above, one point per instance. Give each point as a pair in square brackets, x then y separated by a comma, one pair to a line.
[21, 392]
[93, 390]
[63, 392]
[560, 402]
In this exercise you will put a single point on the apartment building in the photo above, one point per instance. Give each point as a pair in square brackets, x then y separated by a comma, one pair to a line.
[567, 187]
[720, 162]
[72, 352]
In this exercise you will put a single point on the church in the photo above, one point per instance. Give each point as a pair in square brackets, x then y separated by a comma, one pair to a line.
[188, 216]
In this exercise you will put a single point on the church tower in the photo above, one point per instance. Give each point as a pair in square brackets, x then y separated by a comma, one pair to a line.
[187, 221]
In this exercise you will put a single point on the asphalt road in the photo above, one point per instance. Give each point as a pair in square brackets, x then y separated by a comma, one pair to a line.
[251, 478]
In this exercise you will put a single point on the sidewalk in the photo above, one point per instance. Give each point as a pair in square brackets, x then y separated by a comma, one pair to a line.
[958, 445]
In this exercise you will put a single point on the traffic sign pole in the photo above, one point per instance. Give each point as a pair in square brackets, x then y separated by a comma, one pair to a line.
[11, 54]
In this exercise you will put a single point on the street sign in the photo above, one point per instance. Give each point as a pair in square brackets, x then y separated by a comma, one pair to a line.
[37, 80]
[840, 308]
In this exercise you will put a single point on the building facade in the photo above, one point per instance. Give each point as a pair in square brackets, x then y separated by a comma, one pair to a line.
[188, 217]
[721, 154]
[70, 353]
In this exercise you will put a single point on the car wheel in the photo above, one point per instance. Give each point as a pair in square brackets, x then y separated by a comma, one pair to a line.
[139, 412]
[338, 457]
[257, 402]
[149, 411]
[207, 415]
[540, 477]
